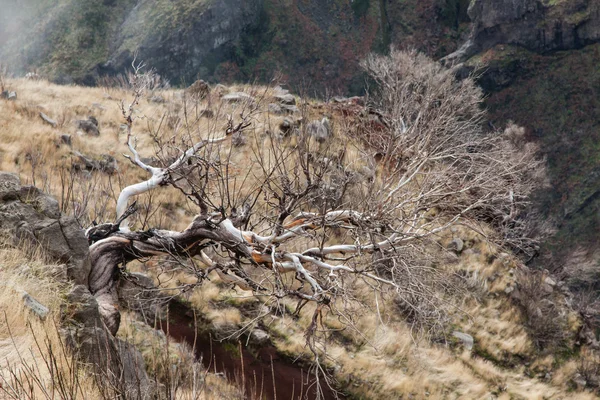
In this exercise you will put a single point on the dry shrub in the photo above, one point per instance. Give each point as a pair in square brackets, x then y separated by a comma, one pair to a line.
[546, 323]
[589, 368]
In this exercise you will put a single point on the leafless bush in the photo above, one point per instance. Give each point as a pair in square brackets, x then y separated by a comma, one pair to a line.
[545, 322]
[427, 124]
[589, 368]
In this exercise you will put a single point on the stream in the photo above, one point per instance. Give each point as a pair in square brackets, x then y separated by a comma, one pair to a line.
[267, 374]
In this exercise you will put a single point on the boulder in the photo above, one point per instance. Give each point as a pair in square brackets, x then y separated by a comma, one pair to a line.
[466, 339]
[220, 90]
[35, 306]
[339, 99]
[258, 336]
[32, 216]
[287, 99]
[238, 97]
[579, 381]
[287, 126]
[106, 164]
[549, 281]
[66, 139]
[278, 90]
[288, 109]
[10, 185]
[238, 139]
[275, 108]
[48, 120]
[320, 130]
[456, 245]
[29, 215]
[89, 126]
[10, 95]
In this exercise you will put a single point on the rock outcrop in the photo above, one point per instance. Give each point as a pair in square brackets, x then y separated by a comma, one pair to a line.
[33, 220]
[536, 25]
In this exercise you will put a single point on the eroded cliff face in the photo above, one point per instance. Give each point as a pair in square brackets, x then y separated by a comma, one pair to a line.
[81, 40]
[536, 25]
[181, 42]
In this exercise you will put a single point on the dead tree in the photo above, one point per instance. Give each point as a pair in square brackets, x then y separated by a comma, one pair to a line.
[309, 210]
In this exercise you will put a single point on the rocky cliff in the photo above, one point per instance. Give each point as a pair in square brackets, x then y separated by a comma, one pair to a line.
[536, 25]
[82, 40]
[313, 44]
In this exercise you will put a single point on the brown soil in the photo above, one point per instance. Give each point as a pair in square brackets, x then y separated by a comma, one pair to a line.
[267, 374]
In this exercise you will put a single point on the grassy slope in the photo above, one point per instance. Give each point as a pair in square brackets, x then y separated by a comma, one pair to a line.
[386, 359]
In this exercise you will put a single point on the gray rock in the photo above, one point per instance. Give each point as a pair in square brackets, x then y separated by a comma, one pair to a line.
[466, 339]
[456, 245]
[238, 139]
[278, 90]
[31, 215]
[48, 120]
[548, 289]
[287, 99]
[106, 164]
[35, 306]
[549, 281]
[89, 126]
[11, 96]
[287, 126]
[339, 99]
[138, 384]
[10, 185]
[238, 97]
[258, 336]
[287, 109]
[320, 130]
[275, 108]
[220, 90]
[66, 139]
[42, 203]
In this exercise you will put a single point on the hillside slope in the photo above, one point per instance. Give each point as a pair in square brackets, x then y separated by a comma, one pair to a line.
[510, 313]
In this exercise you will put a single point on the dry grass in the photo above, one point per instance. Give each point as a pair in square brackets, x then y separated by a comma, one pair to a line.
[34, 361]
[371, 349]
